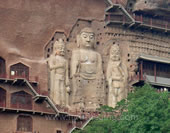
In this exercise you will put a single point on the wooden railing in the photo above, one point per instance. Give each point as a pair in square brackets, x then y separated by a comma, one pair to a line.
[29, 78]
[3, 76]
[152, 21]
[34, 79]
[147, 20]
[32, 107]
[3, 103]
[22, 132]
[21, 106]
[137, 77]
[42, 108]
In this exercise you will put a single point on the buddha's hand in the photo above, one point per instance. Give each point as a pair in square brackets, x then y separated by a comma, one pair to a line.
[76, 74]
[68, 90]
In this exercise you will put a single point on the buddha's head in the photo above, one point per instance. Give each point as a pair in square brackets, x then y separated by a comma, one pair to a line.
[59, 48]
[86, 38]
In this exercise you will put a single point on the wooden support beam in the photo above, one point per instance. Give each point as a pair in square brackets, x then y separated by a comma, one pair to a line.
[155, 71]
[14, 81]
[141, 70]
[141, 18]
[151, 22]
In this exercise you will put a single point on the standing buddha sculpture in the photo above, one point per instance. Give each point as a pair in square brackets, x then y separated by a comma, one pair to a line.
[87, 73]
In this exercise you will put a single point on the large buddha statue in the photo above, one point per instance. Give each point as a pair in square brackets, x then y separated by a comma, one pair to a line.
[87, 73]
[59, 82]
[116, 77]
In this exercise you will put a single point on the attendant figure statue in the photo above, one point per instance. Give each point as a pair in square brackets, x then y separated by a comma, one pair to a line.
[116, 77]
[59, 81]
[133, 67]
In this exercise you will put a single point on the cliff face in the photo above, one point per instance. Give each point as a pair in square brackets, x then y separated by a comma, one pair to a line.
[152, 4]
[160, 7]
[27, 25]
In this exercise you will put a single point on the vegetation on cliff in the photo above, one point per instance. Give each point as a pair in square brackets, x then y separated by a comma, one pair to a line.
[144, 111]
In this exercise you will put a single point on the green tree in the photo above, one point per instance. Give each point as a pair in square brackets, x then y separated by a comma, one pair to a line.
[144, 111]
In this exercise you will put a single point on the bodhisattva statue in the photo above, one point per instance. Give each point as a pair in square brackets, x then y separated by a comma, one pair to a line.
[87, 73]
[116, 77]
[59, 82]
[133, 67]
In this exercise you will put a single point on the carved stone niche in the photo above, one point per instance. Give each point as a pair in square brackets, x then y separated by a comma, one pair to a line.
[83, 68]
[57, 66]
[58, 73]
[49, 46]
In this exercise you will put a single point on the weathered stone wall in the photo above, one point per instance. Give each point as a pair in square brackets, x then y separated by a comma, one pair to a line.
[41, 123]
[151, 7]
[132, 44]
[27, 26]
[29, 29]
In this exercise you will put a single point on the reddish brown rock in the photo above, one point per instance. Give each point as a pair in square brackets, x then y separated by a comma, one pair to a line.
[159, 7]
[27, 26]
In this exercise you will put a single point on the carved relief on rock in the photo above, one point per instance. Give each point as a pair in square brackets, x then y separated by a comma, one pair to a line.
[59, 81]
[87, 73]
[116, 77]
[132, 67]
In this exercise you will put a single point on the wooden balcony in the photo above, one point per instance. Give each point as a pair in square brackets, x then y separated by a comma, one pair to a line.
[32, 109]
[130, 19]
[21, 132]
[21, 106]
[21, 80]
[31, 79]
[2, 104]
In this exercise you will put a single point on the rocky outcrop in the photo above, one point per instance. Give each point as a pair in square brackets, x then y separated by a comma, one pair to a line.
[159, 7]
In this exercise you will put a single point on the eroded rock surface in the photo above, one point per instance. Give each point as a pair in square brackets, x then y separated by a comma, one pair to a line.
[160, 7]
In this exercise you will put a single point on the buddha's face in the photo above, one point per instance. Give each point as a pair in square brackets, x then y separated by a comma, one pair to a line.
[87, 39]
